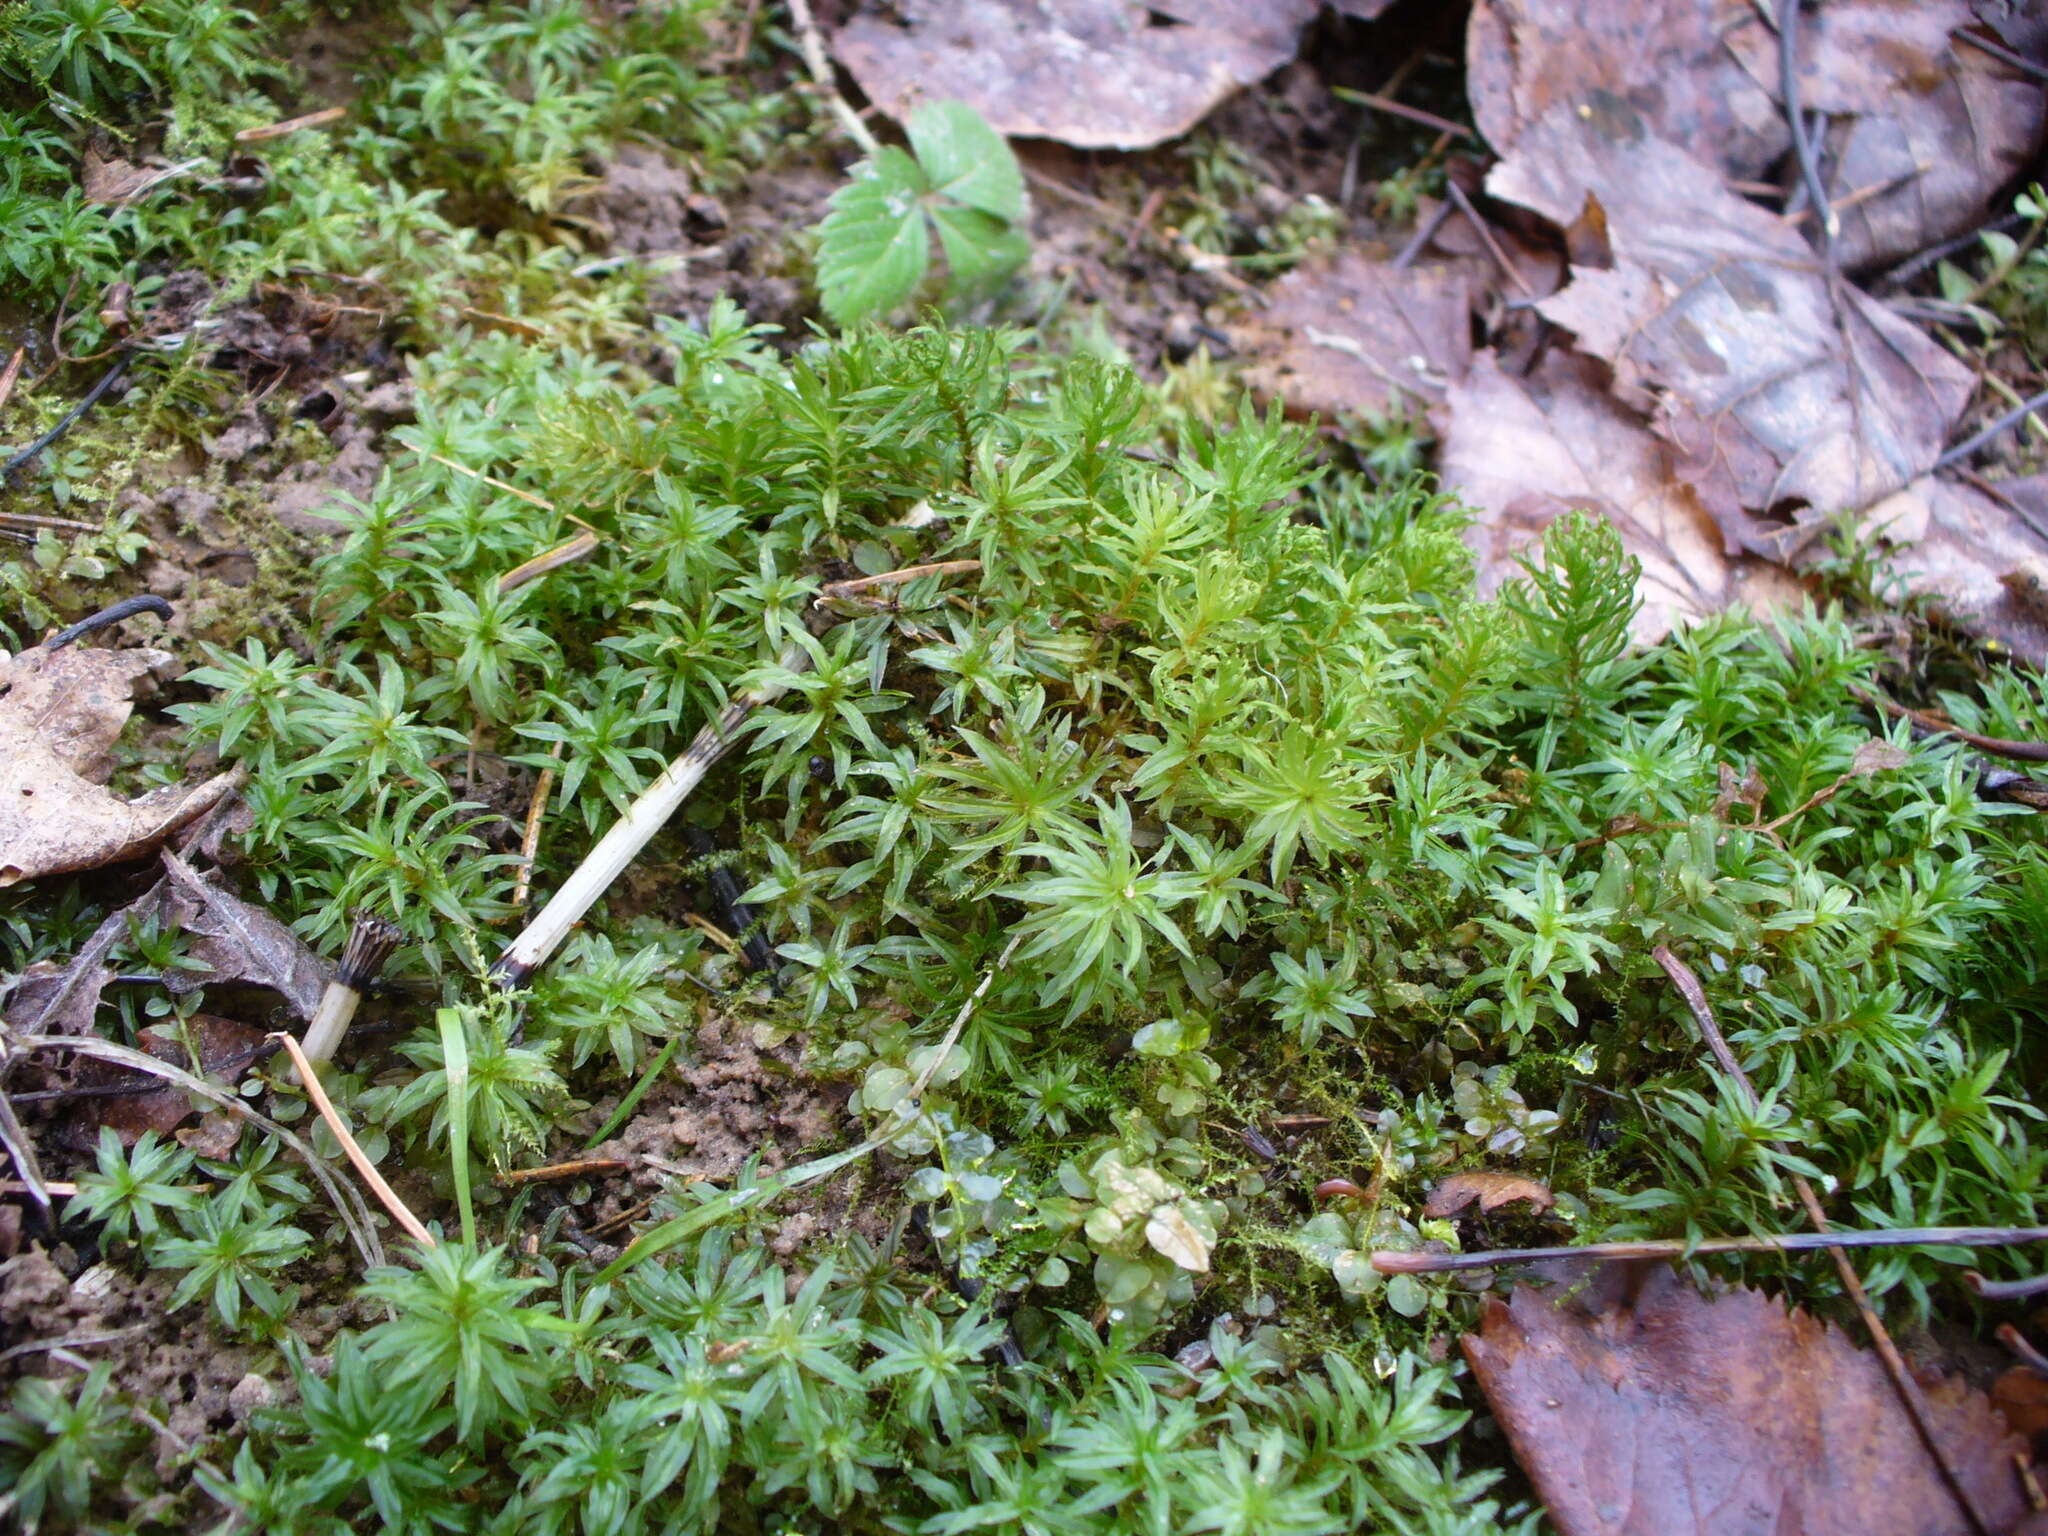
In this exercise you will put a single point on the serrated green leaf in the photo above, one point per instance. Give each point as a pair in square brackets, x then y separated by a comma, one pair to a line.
[872, 249]
[967, 161]
[980, 249]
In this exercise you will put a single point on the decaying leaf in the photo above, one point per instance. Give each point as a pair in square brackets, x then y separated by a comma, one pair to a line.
[239, 943]
[2021, 1397]
[1783, 391]
[1097, 74]
[225, 1048]
[1665, 57]
[1748, 790]
[1877, 756]
[1491, 1190]
[1355, 335]
[1923, 130]
[1170, 1232]
[53, 999]
[59, 715]
[1984, 556]
[1525, 451]
[1640, 1409]
[1778, 388]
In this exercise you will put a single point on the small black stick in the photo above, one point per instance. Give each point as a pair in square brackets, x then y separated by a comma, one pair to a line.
[1802, 142]
[108, 616]
[65, 422]
[2005, 423]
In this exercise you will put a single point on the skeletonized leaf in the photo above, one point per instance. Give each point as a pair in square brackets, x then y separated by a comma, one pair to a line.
[873, 250]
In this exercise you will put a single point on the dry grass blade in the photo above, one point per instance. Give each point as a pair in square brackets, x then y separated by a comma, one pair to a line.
[385, 1194]
[354, 1214]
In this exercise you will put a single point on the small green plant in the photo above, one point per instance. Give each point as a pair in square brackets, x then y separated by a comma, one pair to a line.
[57, 1445]
[130, 1186]
[959, 180]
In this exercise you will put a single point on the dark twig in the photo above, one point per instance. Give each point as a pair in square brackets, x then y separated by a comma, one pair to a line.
[108, 616]
[1689, 988]
[1802, 142]
[1401, 109]
[1913, 266]
[2004, 55]
[2021, 1347]
[65, 422]
[1486, 237]
[1997, 746]
[1397, 1261]
[2005, 423]
[1425, 233]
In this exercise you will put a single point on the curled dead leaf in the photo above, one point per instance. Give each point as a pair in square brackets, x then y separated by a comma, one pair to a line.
[1522, 452]
[1639, 1408]
[1781, 389]
[59, 718]
[1491, 1190]
[1097, 74]
[1352, 335]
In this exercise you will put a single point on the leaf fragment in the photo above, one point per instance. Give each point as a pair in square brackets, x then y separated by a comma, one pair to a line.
[1492, 1190]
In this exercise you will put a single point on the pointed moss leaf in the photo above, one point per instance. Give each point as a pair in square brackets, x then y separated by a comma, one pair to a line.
[873, 249]
[981, 250]
[968, 161]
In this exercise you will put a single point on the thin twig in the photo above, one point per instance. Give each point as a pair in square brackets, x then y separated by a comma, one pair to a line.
[1997, 746]
[107, 617]
[2005, 423]
[813, 48]
[1399, 1261]
[2004, 1290]
[1913, 266]
[1695, 995]
[1401, 109]
[2025, 66]
[529, 839]
[582, 1167]
[835, 590]
[1424, 233]
[65, 422]
[1802, 141]
[568, 552]
[291, 125]
[1486, 237]
[400, 1212]
[10, 373]
[38, 520]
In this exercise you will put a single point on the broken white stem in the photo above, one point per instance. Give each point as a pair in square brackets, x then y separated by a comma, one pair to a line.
[632, 832]
[370, 943]
[813, 44]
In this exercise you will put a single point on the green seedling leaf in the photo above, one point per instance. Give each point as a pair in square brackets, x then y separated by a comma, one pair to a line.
[968, 161]
[455, 1059]
[873, 249]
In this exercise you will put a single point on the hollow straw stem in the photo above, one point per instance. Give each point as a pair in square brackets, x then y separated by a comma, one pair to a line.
[1400, 1262]
[370, 945]
[632, 832]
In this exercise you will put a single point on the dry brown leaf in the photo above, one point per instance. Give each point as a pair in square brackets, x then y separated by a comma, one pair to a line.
[1356, 335]
[1639, 1409]
[1491, 1190]
[226, 1050]
[1525, 57]
[107, 179]
[1782, 391]
[1877, 756]
[1522, 452]
[1924, 129]
[1984, 556]
[1097, 74]
[239, 943]
[2021, 1397]
[59, 715]
[1748, 790]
